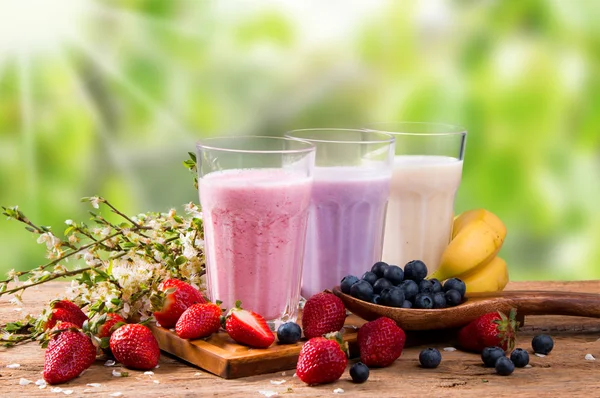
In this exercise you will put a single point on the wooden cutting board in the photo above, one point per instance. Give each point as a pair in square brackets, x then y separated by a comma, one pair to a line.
[222, 356]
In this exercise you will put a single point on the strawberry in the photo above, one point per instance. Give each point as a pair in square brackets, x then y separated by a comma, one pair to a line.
[178, 296]
[380, 342]
[248, 328]
[65, 310]
[107, 328]
[322, 359]
[199, 320]
[323, 313]
[489, 330]
[134, 346]
[69, 353]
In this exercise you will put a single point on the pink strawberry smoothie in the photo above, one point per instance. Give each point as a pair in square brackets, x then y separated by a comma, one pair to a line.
[254, 230]
[346, 225]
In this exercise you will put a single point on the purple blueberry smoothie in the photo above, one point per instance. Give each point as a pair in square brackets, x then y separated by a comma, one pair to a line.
[345, 227]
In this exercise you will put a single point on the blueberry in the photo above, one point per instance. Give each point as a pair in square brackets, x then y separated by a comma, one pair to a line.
[369, 277]
[406, 304]
[394, 274]
[490, 355]
[359, 372]
[519, 357]
[453, 298]
[347, 283]
[381, 284]
[456, 284]
[504, 366]
[410, 289]
[362, 290]
[424, 301]
[394, 297]
[425, 286]
[439, 300]
[430, 358]
[376, 299]
[415, 270]
[378, 268]
[289, 333]
[437, 286]
[542, 344]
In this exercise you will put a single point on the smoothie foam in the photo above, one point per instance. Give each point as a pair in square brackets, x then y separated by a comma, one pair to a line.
[346, 223]
[255, 222]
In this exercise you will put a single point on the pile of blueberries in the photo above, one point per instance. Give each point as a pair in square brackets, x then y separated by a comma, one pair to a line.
[393, 286]
[495, 357]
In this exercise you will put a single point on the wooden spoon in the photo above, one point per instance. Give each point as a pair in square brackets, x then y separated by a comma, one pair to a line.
[476, 304]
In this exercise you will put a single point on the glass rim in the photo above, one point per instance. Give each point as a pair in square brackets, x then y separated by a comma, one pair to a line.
[390, 139]
[204, 144]
[445, 129]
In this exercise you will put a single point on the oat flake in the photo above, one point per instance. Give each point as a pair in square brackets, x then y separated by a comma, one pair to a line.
[450, 349]
[589, 357]
[93, 384]
[539, 355]
[267, 393]
[156, 381]
[56, 389]
[116, 373]
[116, 394]
[528, 366]
[197, 374]
[24, 382]
[277, 382]
[110, 362]
[68, 392]
[13, 366]
[149, 373]
[338, 391]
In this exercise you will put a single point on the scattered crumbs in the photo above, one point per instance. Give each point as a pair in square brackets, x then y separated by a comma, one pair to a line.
[116, 394]
[338, 391]
[588, 357]
[24, 382]
[197, 374]
[268, 393]
[156, 381]
[528, 366]
[539, 355]
[93, 384]
[41, 383]
[67, 392]
[277, 382]
[13, 366]
[449, 349]
[110, 362]
[149, 373]
[56, 389]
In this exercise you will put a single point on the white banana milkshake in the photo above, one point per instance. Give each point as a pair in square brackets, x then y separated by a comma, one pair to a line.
[420, 208]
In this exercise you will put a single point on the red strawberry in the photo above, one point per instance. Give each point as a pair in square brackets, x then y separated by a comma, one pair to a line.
[249, 328]
[199, 320]
[69, 353]
[111, 320]
[380, 342]
[179, 297]
[323, 313]
[489, 330]
[134, 346]
[65, 310]
[322, 360]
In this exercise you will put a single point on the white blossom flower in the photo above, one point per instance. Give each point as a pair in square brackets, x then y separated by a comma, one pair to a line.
[69, 222]
[95, 201]
[51, 241]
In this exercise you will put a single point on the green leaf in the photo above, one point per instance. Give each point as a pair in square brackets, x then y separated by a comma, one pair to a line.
[180, 260]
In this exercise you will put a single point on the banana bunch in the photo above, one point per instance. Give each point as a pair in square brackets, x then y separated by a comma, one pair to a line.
[471, 255]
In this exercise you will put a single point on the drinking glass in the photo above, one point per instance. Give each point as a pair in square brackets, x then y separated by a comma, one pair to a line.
[255, 195]
[350, 193]
[426, 175]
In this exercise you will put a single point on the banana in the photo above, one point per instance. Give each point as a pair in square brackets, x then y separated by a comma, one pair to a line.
[478, 235]
[492, 277]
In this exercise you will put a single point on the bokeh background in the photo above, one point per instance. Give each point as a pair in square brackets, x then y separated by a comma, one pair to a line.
[107, 97]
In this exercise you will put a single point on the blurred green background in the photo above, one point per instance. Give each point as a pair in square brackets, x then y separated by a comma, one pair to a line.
[107, 97]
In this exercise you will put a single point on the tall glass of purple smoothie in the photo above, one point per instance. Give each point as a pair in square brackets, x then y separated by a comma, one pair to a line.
[255, 195]
[351, 185]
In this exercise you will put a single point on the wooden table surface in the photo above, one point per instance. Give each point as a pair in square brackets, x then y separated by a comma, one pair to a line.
[564, 371]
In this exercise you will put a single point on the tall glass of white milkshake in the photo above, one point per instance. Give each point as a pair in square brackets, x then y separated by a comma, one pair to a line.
[426, 175]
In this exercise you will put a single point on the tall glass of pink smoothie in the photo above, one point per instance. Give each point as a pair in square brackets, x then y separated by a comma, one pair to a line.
[255, 194]
[350, 194]
[426, 175]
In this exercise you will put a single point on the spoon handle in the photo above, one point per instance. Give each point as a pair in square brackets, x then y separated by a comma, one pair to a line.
[549, 302]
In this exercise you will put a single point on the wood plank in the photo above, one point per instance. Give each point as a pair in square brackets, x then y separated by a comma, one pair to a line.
[564, 371]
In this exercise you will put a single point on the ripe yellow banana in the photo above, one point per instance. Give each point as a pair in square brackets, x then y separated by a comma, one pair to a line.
[491, 277]
[477, 237]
